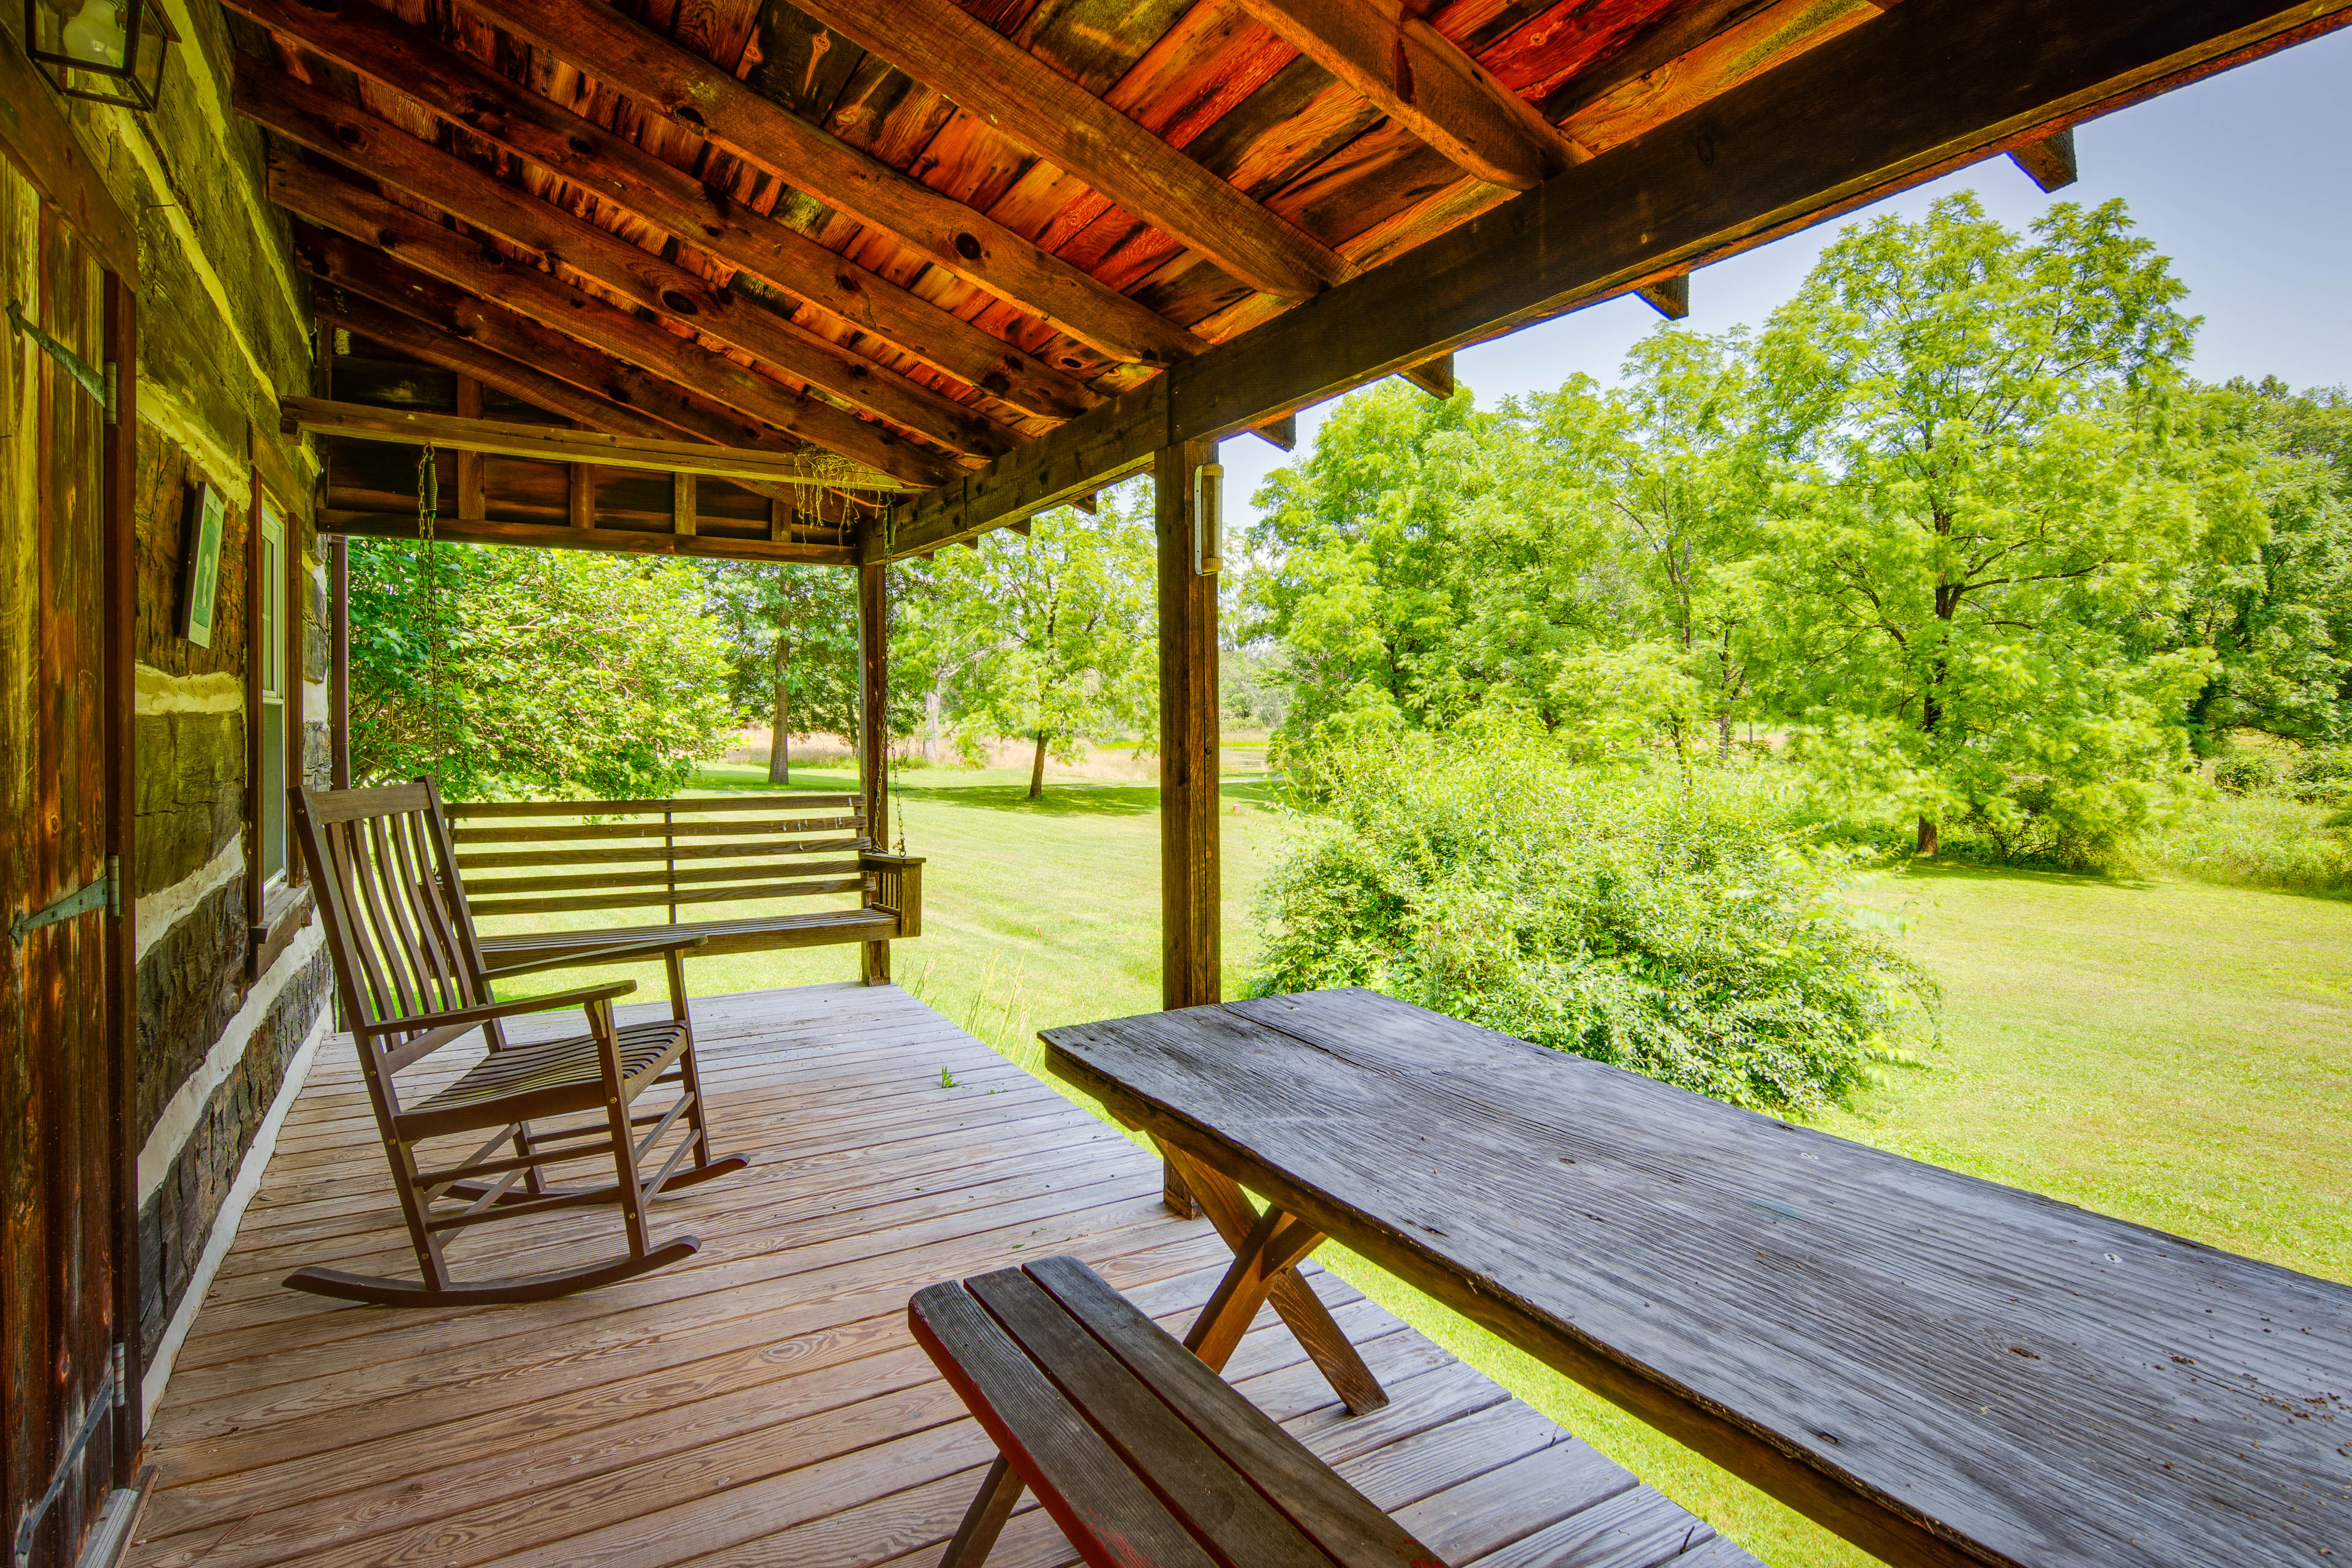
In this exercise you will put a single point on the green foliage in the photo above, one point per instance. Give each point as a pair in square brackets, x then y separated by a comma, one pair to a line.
[792, 650]
[1049, 635]
[560, 672]
[1675, 924]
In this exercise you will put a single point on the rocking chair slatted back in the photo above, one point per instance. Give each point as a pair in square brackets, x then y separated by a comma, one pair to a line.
[388, 896]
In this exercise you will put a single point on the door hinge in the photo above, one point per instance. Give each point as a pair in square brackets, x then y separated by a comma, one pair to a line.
[98, 895]
[101, 1403]
[85, 375]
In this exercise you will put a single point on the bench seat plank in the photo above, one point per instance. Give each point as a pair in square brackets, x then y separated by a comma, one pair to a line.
[819, 928]
[1068, 1378]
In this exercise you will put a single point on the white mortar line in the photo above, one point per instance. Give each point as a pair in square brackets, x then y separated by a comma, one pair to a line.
[196, 1092]
[225, 1223]
[164, 908]
[159, 692]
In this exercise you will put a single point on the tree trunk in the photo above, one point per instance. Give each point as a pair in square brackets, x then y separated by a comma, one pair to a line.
[1037, 769]
[1927, 837]
[780, 758]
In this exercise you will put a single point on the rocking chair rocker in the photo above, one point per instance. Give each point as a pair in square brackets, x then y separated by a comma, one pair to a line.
[409, 972]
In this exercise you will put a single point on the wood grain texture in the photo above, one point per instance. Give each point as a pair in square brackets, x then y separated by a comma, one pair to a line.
[427, 246]
[762, 1402]
[1943, 1369]
[666, 80]
[1402, 63]
[1190, 868]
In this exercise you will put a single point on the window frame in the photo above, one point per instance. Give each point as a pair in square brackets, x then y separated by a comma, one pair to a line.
[279, 905]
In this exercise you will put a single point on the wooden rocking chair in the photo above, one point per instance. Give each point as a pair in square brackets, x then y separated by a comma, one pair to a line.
[409, 970]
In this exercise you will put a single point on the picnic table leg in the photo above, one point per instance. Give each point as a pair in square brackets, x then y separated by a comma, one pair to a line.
[1244, 1286]
[984, 1520]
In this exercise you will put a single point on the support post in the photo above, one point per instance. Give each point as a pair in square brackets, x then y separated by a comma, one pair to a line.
[339, 663]
[120, 587]
[1190, 952]
[874, 731]
[472, 503]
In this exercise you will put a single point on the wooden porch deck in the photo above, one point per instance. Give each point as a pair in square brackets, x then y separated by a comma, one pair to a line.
[763, 1404]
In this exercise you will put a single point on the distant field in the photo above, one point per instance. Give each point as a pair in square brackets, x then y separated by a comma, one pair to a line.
[2172, 1053]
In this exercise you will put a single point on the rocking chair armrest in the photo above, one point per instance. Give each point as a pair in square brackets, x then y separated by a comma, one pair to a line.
[575, 957]
[462, 1017]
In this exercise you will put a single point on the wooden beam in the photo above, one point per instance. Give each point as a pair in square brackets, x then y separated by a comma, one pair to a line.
[40, 140]
[1434, 376]
[947, 47]
[2048, 161]
[554, 444]
[1925, 87]
[1281, 434]
[681, 503]
[1669, 296]
[712, 103]
[466, 92]
[1387, 52]
[874, 731]
[421, 243]
[562, 536]
[384, 151]
[1190, 950]
[442, 325]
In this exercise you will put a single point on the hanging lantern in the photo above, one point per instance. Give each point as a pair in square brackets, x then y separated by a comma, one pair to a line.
[108, 50]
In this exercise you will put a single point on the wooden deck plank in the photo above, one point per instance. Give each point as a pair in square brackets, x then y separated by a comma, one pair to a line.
[762, 1402]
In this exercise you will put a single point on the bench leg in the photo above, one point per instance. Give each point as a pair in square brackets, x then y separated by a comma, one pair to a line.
[984, 1520]
[1301, 1309]
[876, 970]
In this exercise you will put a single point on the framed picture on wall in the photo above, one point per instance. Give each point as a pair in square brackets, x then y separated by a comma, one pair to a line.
[199, 589]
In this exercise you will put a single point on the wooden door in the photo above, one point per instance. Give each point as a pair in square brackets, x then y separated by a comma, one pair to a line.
[58, 1162]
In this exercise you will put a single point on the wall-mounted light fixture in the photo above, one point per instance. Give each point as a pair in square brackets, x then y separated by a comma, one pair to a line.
[108, 50]
[1208, 519]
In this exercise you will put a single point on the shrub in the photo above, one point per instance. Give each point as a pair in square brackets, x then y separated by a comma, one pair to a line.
[2253, 841]
[1679, 926]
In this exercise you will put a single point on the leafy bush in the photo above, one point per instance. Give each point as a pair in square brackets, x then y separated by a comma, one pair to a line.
[1678, 926]
[2242, 771]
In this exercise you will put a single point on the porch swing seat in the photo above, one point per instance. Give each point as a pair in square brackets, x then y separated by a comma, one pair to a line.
[541, 858]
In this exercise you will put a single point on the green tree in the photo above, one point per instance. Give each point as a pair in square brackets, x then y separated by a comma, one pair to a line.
[1049, 635]
[559, 672]
[2276, 614]
[1989, 508]
[792, 649]
[1349, 568]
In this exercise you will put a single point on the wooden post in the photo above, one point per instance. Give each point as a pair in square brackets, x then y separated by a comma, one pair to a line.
[1190, 950]
[874, 731]
[579, 496]
[682, 505]
[118, 681]
[339, 663]
[472, 504]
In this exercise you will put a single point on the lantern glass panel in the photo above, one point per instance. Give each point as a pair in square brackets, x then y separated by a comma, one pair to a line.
[109, 50]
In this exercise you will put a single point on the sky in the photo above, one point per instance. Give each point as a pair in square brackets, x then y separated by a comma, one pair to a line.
[2241, 178]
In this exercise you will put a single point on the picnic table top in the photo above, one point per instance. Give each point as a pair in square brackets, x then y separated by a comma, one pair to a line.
[1944, 1369]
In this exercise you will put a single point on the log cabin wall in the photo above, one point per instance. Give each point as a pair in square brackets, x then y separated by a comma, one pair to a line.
[230, 985]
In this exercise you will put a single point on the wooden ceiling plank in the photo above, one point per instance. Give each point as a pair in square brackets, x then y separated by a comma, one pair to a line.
[430, 247]
[946, 47]
[1925, 88]
[467, 92]
[682, 87]
[360, 283]
[1398, 61]
[316, 118]
[555, 444]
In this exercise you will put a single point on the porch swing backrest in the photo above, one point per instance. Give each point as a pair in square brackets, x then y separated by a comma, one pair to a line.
[688, 859]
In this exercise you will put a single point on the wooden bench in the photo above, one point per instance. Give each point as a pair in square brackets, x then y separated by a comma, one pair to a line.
[684, 856]
[1144, 1457]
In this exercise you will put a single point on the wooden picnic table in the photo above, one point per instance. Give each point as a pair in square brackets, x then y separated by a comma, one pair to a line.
[1940, 1368]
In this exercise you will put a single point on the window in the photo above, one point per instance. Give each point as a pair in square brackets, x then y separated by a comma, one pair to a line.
[269, 677]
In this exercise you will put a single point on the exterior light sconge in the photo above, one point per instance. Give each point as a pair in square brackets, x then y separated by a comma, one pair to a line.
[109, 51]
[1208, 519]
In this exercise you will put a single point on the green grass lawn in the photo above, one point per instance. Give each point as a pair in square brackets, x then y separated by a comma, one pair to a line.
[2175, 1054]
